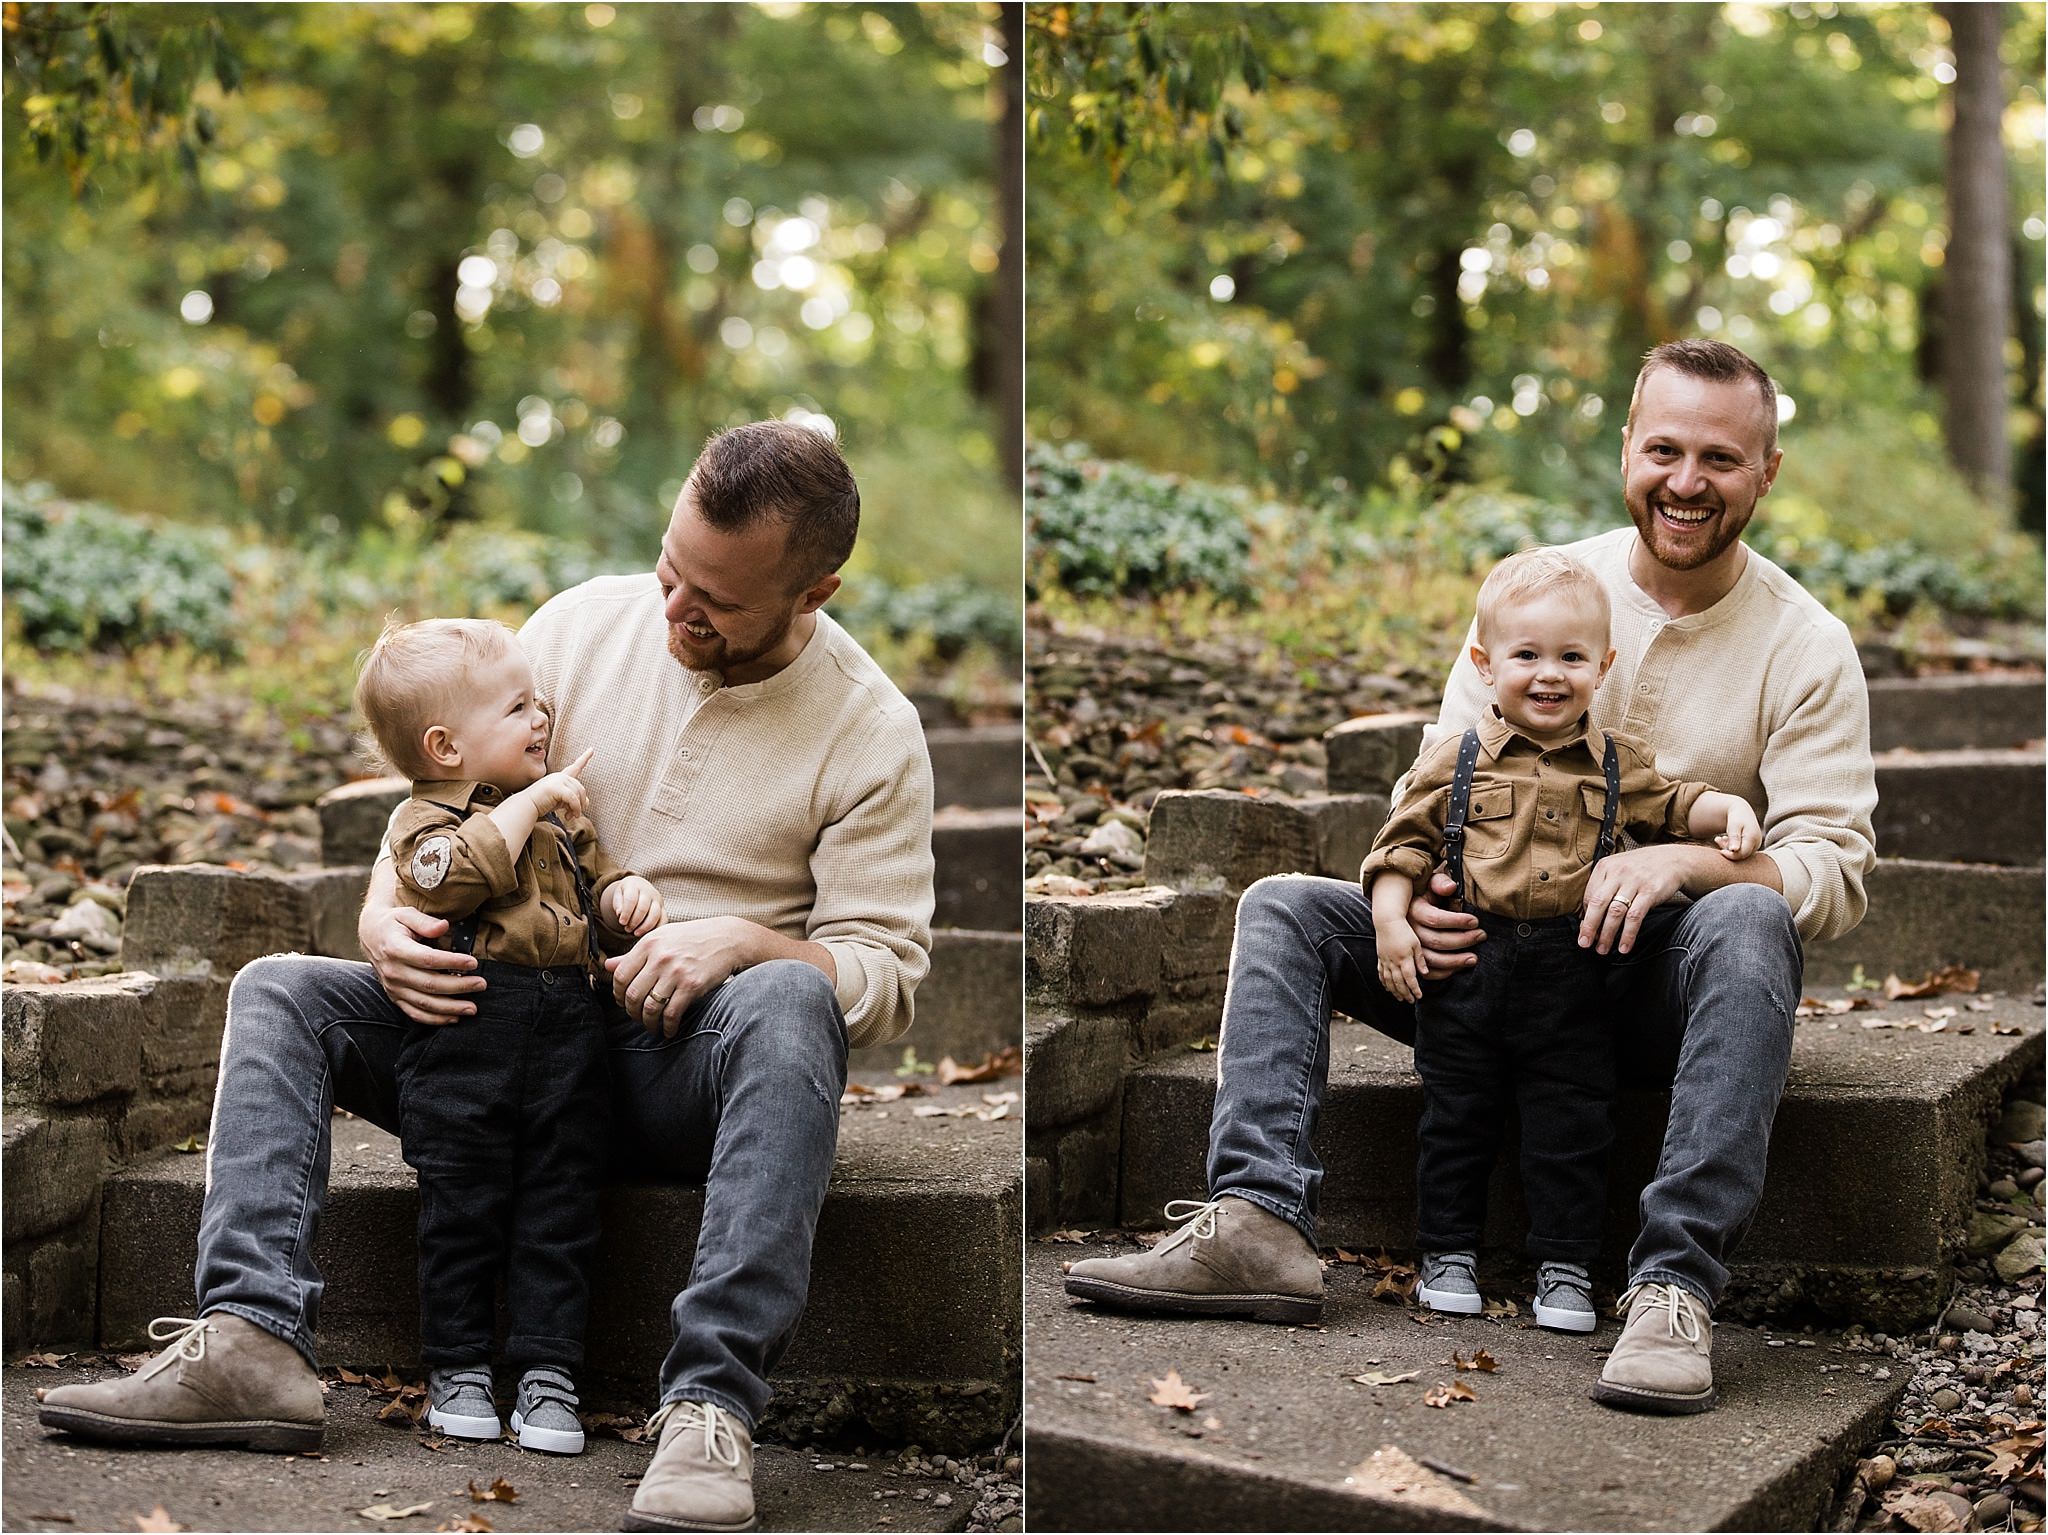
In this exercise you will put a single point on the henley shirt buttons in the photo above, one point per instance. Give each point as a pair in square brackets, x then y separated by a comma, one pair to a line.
[706, 685]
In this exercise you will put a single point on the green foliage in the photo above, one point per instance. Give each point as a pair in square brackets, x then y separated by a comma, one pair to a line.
[1473, 220]
[944, 619]
[83, 577]
[1101, 529]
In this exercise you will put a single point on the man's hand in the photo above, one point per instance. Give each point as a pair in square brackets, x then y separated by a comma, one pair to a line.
[1625, 887]
[429, 985]
[1446, 937]
[664, 974]
[631, 904]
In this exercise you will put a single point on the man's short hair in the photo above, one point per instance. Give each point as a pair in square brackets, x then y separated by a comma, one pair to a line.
[791, 473]
[1718, 363]
[415, 676]
[1539, 572]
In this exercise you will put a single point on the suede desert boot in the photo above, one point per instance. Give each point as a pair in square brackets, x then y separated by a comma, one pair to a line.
[223, 1380]
[702, 1476]
[1664, 1360]
[1231, 1259]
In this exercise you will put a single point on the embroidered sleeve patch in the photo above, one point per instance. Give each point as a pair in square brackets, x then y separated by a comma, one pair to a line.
[430, 862]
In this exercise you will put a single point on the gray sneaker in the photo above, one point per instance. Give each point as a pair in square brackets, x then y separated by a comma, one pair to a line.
[1449, 1283]
[1564, 1298]
[459, 1402]
[544, 1418]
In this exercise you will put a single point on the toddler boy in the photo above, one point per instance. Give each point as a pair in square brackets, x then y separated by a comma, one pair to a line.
[1519, 809]
[501, 1113]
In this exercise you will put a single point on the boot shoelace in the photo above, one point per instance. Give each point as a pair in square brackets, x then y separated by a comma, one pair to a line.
[186, 1337]
[1682, 1317]
[1199, 1217]
[721, 1444]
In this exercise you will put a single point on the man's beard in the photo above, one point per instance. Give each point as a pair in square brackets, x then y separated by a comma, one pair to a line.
[1670, 549]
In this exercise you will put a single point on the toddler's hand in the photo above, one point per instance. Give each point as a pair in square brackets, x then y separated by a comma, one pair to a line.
[1743, 836]
[1400, 956]
[562, 792]
[632, 904]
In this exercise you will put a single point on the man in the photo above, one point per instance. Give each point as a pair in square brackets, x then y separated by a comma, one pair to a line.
[758, 767]
[1741, 680]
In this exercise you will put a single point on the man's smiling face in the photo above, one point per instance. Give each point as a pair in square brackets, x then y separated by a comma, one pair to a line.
[1696, 459]
[727, 596]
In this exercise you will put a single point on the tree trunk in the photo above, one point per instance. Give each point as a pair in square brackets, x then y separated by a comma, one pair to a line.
[1005, 338]
[1977, 277]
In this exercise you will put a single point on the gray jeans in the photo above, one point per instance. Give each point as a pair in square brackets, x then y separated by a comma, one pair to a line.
[745, 1099]
[1703, 1005]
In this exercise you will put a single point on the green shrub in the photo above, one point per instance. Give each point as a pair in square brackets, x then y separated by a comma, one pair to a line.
[81, 576]
[949, 616]
[1099, 529]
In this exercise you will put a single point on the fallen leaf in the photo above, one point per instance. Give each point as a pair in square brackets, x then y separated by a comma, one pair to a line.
[1920, 1510]
[1004, 1063]
[1500, 1306]
[349, 1377]
[1833, 1007]
[1980, 1004]
[1073, 1238]
[132, 1362]
[1391, 1473]
[612, 1425]
[157, 1519]
[387, 1511]
[1176, 1393]
[859, 1092]
[1396, 1283]
[1947, 978]
[44, 1361]
[1480, 1360]
[500, 1491]
[190, 1143]
[1206, 1043]
[1378, 1378]
[469, 1524]
[1939, 1012]
[1442, 1394]
[1088, 1380]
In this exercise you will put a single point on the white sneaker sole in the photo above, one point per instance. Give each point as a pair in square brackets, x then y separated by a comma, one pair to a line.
[1450, 1300]
[459, 1426]
[556, 1441]
[1562, 1319]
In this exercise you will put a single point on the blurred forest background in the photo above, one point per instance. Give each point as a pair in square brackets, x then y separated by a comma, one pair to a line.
[317, 310]
[1331, 306]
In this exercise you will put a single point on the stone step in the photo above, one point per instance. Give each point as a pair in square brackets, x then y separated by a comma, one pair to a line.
[1975, 806]
[979, 851]
[1924, 915]
[981, 766]
[1873, 1162]
[980, 875]
[1956, 711]
[912, 1333]
[56, 1482]
[968, 1007]
[1286, 1440]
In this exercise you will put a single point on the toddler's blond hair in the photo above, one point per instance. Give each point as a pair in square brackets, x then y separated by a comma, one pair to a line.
[413, 678]
[1533, 572]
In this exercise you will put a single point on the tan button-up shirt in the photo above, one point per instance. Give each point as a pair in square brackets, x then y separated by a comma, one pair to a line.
[452, 861]
[1532, 824]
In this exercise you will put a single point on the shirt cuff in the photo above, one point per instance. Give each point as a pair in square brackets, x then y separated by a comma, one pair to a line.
[1413, 862]
[1796, 878]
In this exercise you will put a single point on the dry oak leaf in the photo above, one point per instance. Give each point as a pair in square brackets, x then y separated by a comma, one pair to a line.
[1391, 1472]
[387, 1511]
[1947, 978]
[44, 1361]
[1176, 1393]
[157, 1519]
[1005, 1062]
[1075, 1238]
[469, 1524]
[500, 1491]
[1480, 1360]
[1380, 1378]
[1443, 1394]
[613, 1425]
[1501, 1306]
[1920, 1510]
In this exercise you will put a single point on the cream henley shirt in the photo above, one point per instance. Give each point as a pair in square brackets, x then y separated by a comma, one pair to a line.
[1761, 695]
[803, 803]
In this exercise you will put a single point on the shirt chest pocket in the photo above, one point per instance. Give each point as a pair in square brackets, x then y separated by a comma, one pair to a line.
[1490, 821]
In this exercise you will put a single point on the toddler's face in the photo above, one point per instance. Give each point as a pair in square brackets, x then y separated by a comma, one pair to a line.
[501, 730]
[1544, 656]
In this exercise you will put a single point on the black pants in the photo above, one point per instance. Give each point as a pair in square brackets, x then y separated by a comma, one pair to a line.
[503, 1115]
[1528, 1025]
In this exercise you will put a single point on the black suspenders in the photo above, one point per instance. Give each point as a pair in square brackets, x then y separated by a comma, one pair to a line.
[1461, 799]
[462, 932]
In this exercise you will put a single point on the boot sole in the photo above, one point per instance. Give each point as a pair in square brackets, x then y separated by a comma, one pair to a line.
[1256, 1307]
[266, 1436]
[1667, 1403]
[636, 1520]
